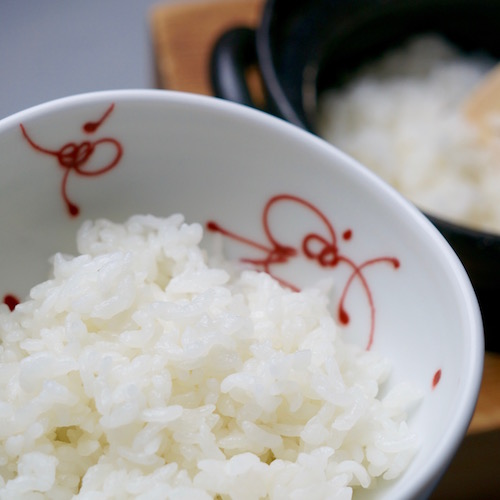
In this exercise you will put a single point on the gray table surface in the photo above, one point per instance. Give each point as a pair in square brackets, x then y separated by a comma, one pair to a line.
[54, 48]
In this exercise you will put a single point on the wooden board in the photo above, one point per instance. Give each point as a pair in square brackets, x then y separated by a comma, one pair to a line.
[487, 414]
[184, 34]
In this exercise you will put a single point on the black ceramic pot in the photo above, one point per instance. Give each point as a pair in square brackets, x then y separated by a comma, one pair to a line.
[303, 47]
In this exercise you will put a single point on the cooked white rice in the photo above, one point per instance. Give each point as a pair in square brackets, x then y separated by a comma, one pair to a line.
[139, 371]
[402, 116]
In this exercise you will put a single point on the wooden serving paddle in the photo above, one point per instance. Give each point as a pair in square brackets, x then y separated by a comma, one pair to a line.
[483, 103]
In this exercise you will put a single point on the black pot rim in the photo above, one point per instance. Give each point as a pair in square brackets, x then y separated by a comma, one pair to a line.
[274, 88]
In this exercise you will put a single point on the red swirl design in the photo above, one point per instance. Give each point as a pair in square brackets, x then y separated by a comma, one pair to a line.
[75, 157]
[323, 250]
[10, 301]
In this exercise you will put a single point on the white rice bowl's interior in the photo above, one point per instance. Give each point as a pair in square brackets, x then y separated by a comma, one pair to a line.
[139, 368]
[212, 160]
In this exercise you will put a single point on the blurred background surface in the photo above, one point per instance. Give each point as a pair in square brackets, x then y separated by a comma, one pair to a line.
[53, 48]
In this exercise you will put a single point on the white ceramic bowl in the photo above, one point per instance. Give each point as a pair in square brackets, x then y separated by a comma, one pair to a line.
[114, 154]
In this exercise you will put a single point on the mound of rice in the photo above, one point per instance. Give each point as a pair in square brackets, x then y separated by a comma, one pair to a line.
[140, 371]
[402, 116]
